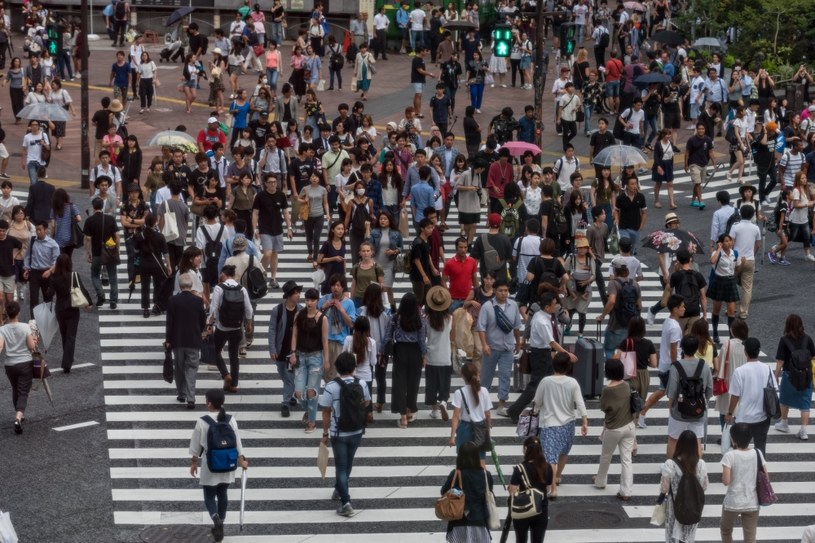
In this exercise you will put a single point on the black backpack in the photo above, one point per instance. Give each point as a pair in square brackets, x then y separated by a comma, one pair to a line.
[604, 39]
[799, 367]
[222, 445]
[559, 218]
[691, 402]
[358, 219]
[254, 280]
[212, 250]
[688, 288]
[231, 312]
[352, 406]
[625, 306]
[336, 60]
[733, 219]
[120, 10]
[689, 500]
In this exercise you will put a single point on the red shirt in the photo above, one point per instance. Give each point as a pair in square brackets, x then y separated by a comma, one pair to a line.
[209, 138]
[461, 276]
[498, 177]
[614, 69]
[435, 246]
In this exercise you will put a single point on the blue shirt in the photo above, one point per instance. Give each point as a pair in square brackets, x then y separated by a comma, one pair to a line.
[330, 398]
[375, 193]
[422, 195]
[42, 254]
[226, 251]
[120, 74]
[527, 131]
[402, 18]
[240, 114]
[338, 330]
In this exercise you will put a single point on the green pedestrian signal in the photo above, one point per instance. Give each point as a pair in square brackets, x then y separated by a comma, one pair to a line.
[53, 43]
[501, 40]
[568, 43]
[52, 48]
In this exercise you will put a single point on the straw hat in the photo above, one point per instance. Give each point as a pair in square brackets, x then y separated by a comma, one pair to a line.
[438, 298]
[581, 242]
[671, 218]
[116, 106]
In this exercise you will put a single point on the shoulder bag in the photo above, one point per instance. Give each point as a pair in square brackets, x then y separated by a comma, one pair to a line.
[493, 519]
[528, 502]
[78, 298]
[450, 507]
[170, 228]
[481, 434]
[528, 422]
[772, 407]
[77, 235]
[629, 359]
[720, 385]
[109, 254]
[764, 490]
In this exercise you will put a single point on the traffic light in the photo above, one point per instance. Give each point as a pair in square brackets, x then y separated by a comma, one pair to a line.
[501, 39]
[568, 43]
[53, 40]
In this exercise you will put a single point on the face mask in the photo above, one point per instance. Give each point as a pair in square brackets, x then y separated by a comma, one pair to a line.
[264, 81]
[360, 192]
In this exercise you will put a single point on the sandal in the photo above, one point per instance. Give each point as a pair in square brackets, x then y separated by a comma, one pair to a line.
[402, 423]
[657, 205]
[59, 147]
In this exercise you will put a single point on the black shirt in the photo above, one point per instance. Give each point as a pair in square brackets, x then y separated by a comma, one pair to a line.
[671, 105]
[198, 180]
[643, 347]
[270, 212]
[415, 66]
[697, 280]
[785, 353]
[301, 170]
[532, 477]
[286, 348]
[630, 210]
[101, 121]
[471, 134]
[698, 149]
[99, 227]
[199, 41]
[420, 249]
[502, 245]
[259, 132]
[601, 141]
[7, 247]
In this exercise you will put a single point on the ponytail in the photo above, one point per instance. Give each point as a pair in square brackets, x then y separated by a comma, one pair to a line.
[533, 453]
[470, 373]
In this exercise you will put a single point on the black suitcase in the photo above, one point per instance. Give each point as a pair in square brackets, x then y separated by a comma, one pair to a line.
[590, 365]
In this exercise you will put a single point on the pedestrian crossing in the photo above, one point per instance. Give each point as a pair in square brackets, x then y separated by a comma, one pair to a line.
[397, 473]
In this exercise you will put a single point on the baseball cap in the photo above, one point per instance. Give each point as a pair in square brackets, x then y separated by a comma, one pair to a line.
[619, 263]
[212, 120]
[495, 220]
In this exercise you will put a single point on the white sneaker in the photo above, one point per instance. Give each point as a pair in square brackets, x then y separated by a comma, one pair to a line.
[502, 410]
[434, 413]
[641, 423]
[782, 426]
[802, 434]
[650, 317]
[810, 257]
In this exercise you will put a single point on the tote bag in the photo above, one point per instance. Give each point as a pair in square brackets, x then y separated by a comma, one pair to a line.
[170, 228]
[629, 359]
[78, 298]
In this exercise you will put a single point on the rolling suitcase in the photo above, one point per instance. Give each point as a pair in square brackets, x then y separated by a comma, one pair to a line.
[588, 370]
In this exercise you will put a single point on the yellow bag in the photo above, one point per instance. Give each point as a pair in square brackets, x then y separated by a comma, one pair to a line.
[303, 212]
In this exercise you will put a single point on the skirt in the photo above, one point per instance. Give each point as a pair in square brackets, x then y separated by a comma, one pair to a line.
[723, 289]
[468, 534]
[557, 441]
[792, 397]
[59, 129]
[498, 65]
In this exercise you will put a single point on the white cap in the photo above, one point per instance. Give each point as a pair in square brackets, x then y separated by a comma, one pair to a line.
[212, 120]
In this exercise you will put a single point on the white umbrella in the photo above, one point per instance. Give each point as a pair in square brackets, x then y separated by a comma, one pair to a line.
[619, 155]
[243, 497]
[174, 138]
[44, 111]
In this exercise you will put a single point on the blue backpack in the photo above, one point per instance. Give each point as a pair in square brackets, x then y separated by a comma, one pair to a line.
[222, 445]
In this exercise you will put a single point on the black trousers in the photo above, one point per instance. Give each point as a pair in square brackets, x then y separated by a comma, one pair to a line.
[569, 131]
[175, 252]
[537, 525]
[380, 44]
[68, 320]
[36, 284]
[540, 365]
[600, 280]
[758, 431]
[20, 376]
[150, 274]
[381, 376]
[406, 376]
[515, 64]
[233, 337]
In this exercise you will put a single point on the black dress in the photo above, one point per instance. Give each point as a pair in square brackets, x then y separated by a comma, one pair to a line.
[67, 316]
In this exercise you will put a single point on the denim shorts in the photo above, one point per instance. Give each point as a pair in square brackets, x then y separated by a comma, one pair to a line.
[612, 89]
[418, 88]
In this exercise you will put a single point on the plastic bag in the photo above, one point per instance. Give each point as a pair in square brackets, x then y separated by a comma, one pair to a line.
[726, 438]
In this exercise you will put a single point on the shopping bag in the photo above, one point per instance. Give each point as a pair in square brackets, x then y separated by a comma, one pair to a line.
[7, 532]
[322, 459]
[404, 226]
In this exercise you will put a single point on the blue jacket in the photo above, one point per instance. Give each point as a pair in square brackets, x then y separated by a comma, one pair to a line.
[277, 327]
[394, 240]
[527, 131]
[402, 18]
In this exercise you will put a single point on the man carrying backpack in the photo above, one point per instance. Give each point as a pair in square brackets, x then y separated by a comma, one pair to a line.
[624, 302]
[493, 250]
[216, 447]
[688, 283]
[121, 11]
[690, 386]
[230, 311]
[210, 238]
[343, 402]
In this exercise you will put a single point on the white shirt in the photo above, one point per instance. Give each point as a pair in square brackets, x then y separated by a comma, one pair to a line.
[748, 383]
[741, 492]
[635, 118]
[381, 22]
[580, 12]
[363, 371]
[745, 234]
[564, 168]
[33, 146]
[558, 86]
[671, 333]
[236, 28]
[478, 413]
[532, 200]
[697, 90]
[540, 331]
[417, 17]
[135, 55]
[525, 250]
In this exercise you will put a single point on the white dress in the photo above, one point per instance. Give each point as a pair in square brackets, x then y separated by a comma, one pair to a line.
[671, 473]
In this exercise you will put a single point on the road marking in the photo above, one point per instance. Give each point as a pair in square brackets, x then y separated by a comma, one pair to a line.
[74, 367]
[75, 426]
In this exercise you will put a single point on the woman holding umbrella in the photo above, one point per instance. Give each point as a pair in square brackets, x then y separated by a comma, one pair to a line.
[18, 341]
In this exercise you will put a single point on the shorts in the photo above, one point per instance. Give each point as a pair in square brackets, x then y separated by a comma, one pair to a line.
[189, 84]
[663, 379]
[8, 283]
[697, 174]
[271, 243]
[676, 427]
[557, 441]
[3, 152]
[671, 120]
[612, 89]
[418, 88]
[469, 218]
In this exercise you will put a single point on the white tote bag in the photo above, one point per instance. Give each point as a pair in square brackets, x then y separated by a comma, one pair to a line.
[170, 228]
[7, 532]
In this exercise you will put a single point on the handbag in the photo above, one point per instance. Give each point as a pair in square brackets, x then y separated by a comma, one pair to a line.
[481, 434]
[658, 515]
[726, 437]
[170, 228]
[635, 402]
[404, 223]
[40, 366]
[523, 362]
[772, 407]
[110, 255]
[167, 370]
[489, 79]
[493, 519]
[629, 359]
[614, 241]
[528, 422]
[720, 385]
[580, 116]
[764, 490]
[526, 503]
[302, 213]
[208, 350]
[258, 50]
[450, 507]
[77, 235]
[78, 298]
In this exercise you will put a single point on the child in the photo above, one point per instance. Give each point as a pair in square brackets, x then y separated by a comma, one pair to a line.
[777, 253]
[363, 347]
[113, 142]
[7, 201]
[440, 334]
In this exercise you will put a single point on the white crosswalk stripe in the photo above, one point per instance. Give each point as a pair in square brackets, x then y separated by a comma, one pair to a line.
[397, 473]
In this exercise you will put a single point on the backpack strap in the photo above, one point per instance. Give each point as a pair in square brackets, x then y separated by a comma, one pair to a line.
[700, 364]
[680, 370]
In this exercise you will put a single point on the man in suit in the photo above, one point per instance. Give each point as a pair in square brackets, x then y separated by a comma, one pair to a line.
[448, 154]
[38, 206]
[186, 321]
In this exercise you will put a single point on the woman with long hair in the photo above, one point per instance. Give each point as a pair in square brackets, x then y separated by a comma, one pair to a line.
[740, 145]
[794, 349]
[235, 61]
[663, 169]
[365, 272]
[130, 160]
[274, 67]
[378, 318]
[331, 257]
[579, 290]
[686, 459]
[468, 187]
[314, 196]
[392, 184]
[798, 218]
[189, 81]
[438, 370]
[358, 218]
[387, 243]
[297, 79]
[148, 81]
[62, 281]
[151, 247]
[407, 331]
[604, 193]
[707, 349]
[478, 409]
[261, 101]
[218, 69]
[363, 347]
[732, 358]
[723, 288]
[740, 468]
[22, 229]
[533, 473]
[309, 356]
[241, 198]
[476, 72]
[363, 71]
[63, 214]
[18, 341]
[239, 109]
[619, 431]
[474, 481]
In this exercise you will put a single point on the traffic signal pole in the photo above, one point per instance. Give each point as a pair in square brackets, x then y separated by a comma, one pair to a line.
[85, 149]
[541, 67]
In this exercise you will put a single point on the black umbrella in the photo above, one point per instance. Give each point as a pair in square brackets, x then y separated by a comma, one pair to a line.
[668, 37]
[671, 240]
[459, 25]
[651, 77]
[178, 14]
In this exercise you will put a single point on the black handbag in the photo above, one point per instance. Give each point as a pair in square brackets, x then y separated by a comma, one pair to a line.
[772, 407]
[208, 350]
[481, 434]
[77, 235]
[168, 365]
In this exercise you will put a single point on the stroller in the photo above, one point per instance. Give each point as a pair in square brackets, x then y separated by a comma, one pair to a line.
[167, 52]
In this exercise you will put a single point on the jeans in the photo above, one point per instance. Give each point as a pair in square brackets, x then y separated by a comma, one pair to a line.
[287, 377]
[650, 128]
[587, 109]
[234, 338]
[540, 365]
[476, 94]
[64, 61]
[96, 279]
[307, 379]
[633, 235]
[185, 362]
[331, 72]
[31, 167]
[580, 33]
[451, 93]
[68, 320]
[146, 92]
[416, 38]
[216, 493]
[502, 361]
[277, 34]
[622, 438]
[344, 448]
[612, 339]
[272, 75]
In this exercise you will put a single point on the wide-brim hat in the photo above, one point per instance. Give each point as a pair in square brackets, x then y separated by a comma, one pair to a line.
[116, 106]
[438, 298]
[581, 242]
[671, 218]
[290, 287]
[99, 179]
[746, 187]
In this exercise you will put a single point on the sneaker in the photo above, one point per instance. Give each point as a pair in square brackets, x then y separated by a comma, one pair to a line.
[650, 317]
[641, 423]
[141, 110]
[411, 54]
[434, 413]
[502, 410]
[335, 495]
[285, 411]
[218, 528]
[293, 402]
[782, 426]
[113, 305]
[100, 301]
[310, 427]
[346, 510]
[4, 175]
[694, 203]
[771, 257]
[784, 262]
[402, 51]
[802, 434]
[274, 284]
[701, 206]
[810, 257]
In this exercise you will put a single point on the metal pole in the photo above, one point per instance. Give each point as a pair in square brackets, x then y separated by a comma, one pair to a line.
[85, 122]
[91, 14]
[541, 67]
